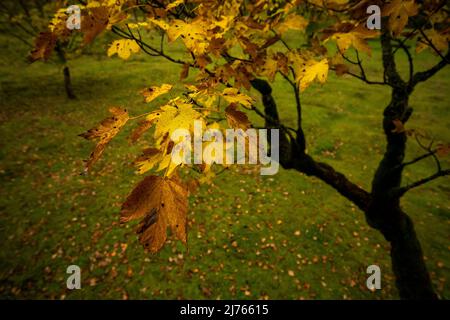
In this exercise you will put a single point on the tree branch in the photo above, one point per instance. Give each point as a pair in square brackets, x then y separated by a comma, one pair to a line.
[155, 52]
[401, 191]
[425, 75]
[362, 76]
[402, 45]
[390, 68]
[431, 44]
[424, 156]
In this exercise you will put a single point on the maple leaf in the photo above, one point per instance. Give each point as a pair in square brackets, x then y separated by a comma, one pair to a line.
[104, 133]
[99, 18]
[143, 126]
[123, 48]
[162, 203]
[313, 70]
[140, 130]
[57, 24]
[232, 95]
[148, 159]
[162, 157]
[269, 69]
[173, 116]
[235, 118]
[153, 92]
[294, 22]
[439, 40]
[93, 25]
[193, 34]
[174, 4]
[43, 47]
[399, 11]
[355, 38]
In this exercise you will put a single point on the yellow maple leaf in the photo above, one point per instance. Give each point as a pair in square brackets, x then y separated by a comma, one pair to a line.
[148, 159]
[175, 115]
[399, 11]
[137, 25]
[168, 162]
[292, 21]
[269, 69]
[232, 95]
[57, 24]
[160, 159]
[311, 71]
[162, 203]
[123, 48]
[355, 38]
[174, 4]
[193, 34]
[153, 92]
[168, 165]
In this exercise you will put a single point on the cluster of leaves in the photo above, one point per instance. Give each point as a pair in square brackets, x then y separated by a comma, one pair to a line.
[230, 43]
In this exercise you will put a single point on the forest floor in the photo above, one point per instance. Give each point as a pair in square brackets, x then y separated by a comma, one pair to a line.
[286, 236]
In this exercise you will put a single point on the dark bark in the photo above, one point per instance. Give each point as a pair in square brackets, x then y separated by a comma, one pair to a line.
[386, 215]
[66, 72]
[68, 83]
[384, 212]
[272, 120]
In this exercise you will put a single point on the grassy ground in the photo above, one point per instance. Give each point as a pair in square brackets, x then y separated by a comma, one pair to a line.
[282, 237]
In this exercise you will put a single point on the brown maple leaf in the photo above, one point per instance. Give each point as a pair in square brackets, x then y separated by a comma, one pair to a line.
[43, 46]
[104, 132]
[162, 203]
[235, 118]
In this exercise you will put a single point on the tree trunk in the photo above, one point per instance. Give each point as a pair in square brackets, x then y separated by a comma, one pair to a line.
[66, 72]
[384, 212]
[68, 83]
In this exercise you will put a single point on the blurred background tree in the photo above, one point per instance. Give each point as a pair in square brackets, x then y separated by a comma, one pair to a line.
[31, 19]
